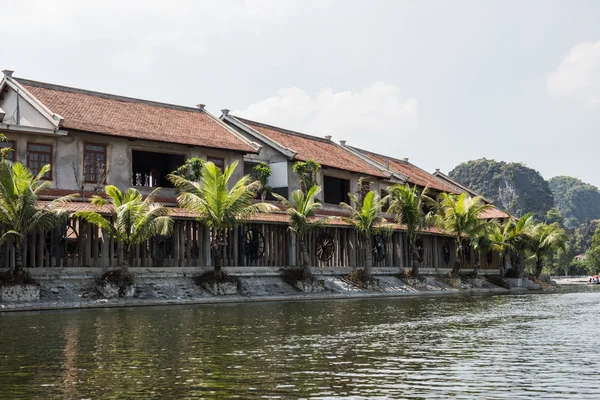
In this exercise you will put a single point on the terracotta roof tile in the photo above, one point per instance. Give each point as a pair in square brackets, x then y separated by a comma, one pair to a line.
[132, 118]
[494, 213]
[323, 151]
[416, 175]
[275, 217]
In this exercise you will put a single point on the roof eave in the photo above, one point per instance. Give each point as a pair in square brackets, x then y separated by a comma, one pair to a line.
[289, 153]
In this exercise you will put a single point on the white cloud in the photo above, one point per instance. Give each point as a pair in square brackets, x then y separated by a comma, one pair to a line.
[578, 76]
[375, 118]
[139, 29]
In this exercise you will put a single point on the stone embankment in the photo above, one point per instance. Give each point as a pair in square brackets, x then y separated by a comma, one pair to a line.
[77, 288]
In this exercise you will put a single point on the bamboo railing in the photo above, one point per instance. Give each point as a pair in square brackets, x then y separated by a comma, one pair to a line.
[78, 244]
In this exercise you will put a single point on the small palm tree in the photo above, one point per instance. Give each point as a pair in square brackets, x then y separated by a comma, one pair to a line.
[366, 219]
[406, 204]
[459, 215]
[302, 211]
[20, 210]
[518, 235]
[219, 207]
[136, 220]
[545, 240]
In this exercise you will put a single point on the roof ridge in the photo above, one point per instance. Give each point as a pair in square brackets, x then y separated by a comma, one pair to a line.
[104, 95]
[390, 157]
[284, 130]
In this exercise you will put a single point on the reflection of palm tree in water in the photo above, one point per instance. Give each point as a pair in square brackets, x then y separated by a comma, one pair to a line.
[69, 365]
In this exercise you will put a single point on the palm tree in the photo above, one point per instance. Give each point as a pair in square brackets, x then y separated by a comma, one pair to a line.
[459, 215]
[510, 240]
[366, 219]
[544, 240]
[301, 211]
[406, 204]
[219, 207]
[20, 210]
[136, 220]
[518, 237]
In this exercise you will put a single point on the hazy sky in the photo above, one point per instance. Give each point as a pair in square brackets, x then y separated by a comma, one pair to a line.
[439, 82]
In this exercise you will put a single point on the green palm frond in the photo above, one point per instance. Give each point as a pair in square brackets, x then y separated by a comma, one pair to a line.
[365, 216]
[218, 205]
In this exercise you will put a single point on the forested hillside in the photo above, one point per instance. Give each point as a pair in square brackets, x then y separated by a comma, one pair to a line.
[578, 201]
[511, 186]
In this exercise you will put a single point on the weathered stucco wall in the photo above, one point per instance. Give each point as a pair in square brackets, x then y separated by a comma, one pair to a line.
[68, 156]
[29, 115]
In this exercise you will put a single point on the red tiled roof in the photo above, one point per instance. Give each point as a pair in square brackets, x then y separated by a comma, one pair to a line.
[323, 151]
[494, 213]
[132, 118]
[416, 175]
[274, 217]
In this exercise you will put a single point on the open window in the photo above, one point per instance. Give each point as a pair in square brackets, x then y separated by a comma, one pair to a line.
[151, 169]
[335, 190]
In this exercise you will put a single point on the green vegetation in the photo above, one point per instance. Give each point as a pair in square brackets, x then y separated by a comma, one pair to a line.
[301, 212]
[219, 207]
[511, 186]
[407, 205]
[20, 210]
[307, 172]
[263, 171]
[544, 240]
[578, 201]
[458, 215]
[191, 169]
[133, 220]
[365, 217]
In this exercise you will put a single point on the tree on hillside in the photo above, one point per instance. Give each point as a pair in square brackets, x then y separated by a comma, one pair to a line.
[511, 186]
[592, 256]
[578, 201]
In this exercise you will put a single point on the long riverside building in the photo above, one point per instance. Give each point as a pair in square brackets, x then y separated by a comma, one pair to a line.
[92, 139]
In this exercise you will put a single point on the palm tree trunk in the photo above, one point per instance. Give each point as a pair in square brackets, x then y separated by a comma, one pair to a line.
[539, 266]
[477, 264]
[459, 258]
[18, 269]
[369, 256]
[411, 261]
[304, 260]
[217, 254]
[502, 266]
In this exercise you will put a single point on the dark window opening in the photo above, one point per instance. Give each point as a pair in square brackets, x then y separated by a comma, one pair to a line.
[335, 190]
[39, 155]
[385, 206]
[282, 191]
[11, 144]
[219, 162]
[94, 163]
[151, 169]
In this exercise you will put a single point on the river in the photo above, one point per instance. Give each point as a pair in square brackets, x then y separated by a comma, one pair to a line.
[511, 346]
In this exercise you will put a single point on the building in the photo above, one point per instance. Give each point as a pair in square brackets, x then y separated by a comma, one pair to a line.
[91, 138]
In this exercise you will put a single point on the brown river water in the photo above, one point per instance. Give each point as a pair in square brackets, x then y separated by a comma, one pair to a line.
[504, 347]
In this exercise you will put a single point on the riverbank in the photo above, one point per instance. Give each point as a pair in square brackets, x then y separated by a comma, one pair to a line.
[76, 288]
